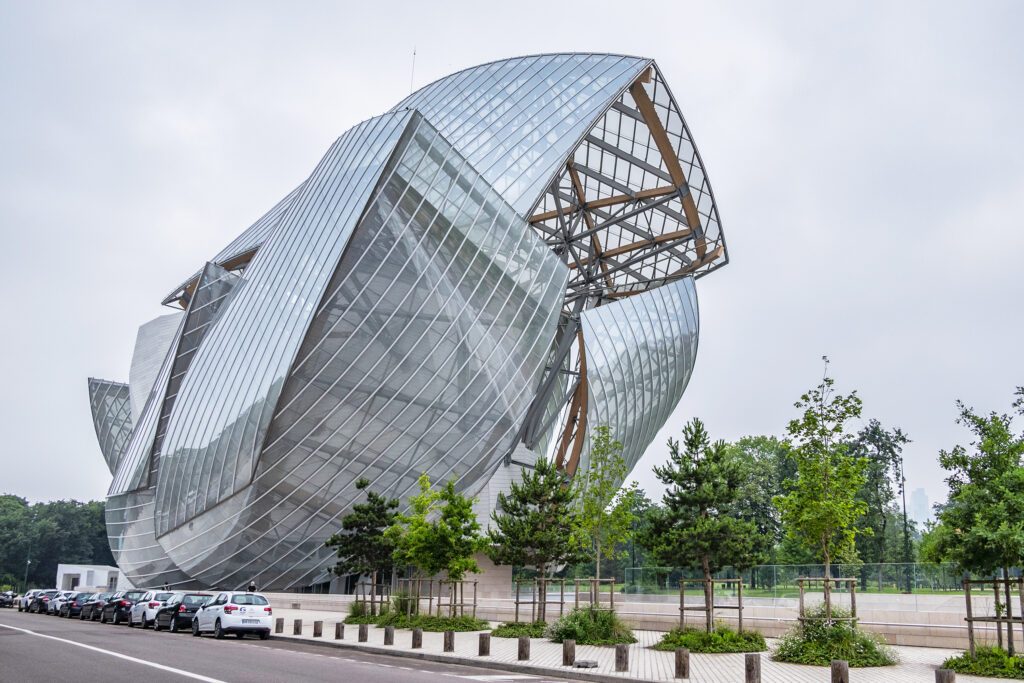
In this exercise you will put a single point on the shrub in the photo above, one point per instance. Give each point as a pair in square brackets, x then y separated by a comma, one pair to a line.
[513, 630]
[988, 661]
[359, 613]
[403, 603]
[818, 641]
[722, 639]
[590, 626]
[431, 623]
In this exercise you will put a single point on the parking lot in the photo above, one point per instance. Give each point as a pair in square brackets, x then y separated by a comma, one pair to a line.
[40, 648]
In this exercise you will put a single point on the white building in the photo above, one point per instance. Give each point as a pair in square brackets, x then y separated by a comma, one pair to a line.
[95, 577]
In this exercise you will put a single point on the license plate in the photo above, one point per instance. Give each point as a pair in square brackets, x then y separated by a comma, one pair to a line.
[250, 621]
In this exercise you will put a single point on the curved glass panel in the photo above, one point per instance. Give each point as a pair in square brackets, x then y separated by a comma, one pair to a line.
[111, 417]
[129, 518]
[152, 343]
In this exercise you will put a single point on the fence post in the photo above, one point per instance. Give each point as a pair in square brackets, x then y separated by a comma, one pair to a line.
[682, 662]
[840, 671]
[297, 627]
[568, 652]
[945, 676]
[279, 625]
[417, 638]
[389, 635]
[449, 641]
[318, 629]
[753, 668]
[484, 649]
[622, 657]
[524, 648]
[364, 632]
[339, 631]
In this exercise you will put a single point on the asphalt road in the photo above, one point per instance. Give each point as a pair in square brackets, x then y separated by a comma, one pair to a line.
[41, 648]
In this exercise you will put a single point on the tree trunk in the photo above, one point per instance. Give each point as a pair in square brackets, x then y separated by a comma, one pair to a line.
[542, 608]
[597, 560]
[709, 595]
[827, 583]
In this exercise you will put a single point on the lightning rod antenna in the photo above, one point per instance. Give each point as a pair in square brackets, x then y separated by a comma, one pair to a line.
[413, 74]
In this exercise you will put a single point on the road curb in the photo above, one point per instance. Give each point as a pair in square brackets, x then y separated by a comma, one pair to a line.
[484, 662]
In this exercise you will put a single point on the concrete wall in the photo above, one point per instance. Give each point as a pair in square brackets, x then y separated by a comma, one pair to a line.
[85, 577]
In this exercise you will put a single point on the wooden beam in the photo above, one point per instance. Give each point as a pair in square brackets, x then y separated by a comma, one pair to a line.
[700, 263]
[595, 242]
[626, 248]
[652, 193]
[668, 154]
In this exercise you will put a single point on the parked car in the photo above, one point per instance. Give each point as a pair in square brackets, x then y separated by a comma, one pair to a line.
[179, 610]
[234, 612]
[7, 599]
[144, 610]
[41, 600]
[26, 600]
[57, 601]
[94, 606]
[118, 608]
[72, 607]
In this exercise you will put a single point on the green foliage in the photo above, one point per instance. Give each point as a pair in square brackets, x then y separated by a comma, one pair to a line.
[440, 533]
[818, 641]
[981, 527]
[403, 602]
[882, 449]
[822, 509]
[988, 661]
[537, 524]
[535, 629]
[606, 509]
[590, 626]
[722, 639]
[361, 545]
[769, 465]
[359, 613]
[698, 526]
[431, 623]
[49, 533]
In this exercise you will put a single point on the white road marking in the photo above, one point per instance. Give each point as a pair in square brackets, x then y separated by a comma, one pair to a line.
[180, 672]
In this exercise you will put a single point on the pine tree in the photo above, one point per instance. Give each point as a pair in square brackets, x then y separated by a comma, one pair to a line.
[537, 524]
[361, 545]
[700, 524]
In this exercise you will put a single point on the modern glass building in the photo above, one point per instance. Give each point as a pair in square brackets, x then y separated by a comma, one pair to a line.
[465, 283]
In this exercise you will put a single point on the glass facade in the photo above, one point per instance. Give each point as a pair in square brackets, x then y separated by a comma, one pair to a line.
[411, 308]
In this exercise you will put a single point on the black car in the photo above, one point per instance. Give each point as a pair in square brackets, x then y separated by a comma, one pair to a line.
[178, 612]
[40, 601]
[119, 606]
[7, 599]
[93, 606]
[72, 607]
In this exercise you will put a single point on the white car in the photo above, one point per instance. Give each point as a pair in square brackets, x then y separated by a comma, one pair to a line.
[144, 610]
[237, 612]
[25, 600]
[53, 607]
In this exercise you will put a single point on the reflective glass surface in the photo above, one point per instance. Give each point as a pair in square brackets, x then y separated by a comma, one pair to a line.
[111, 417]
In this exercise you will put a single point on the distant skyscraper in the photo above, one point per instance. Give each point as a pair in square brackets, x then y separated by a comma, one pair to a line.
[920, 510]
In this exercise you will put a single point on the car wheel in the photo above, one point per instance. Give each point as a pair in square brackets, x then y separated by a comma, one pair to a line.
[264, 635]
[81, 615]
[173, 626]
[156, 624]
[131, 622]
[103, 617]
[195, 628]
[117, 618]
[218, 632]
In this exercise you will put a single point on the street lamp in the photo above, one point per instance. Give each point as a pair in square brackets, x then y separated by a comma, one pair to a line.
[27, 563]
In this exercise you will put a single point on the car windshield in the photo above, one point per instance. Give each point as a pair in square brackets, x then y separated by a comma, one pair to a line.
[196, 600]
[249, 599]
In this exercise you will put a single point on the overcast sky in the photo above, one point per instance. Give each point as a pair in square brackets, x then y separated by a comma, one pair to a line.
[867, 157]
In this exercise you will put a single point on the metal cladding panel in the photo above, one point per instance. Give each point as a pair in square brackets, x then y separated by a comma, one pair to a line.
[422, 356]
[640, 354]
[227, 398]
[129, 518]
[152, 343]
[517, 120]
[111, 417]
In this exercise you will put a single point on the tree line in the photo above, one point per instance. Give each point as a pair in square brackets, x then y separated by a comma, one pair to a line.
[39, 536]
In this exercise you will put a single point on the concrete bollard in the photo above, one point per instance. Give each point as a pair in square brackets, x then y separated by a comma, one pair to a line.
[297, 627]
[339, 631]
[364, 632]
[840, 671]
[524, 648]
[682, 662]
[622, 657]
[484, 649]
[449, 641]
[753, 668]
[568, 652]
[279, 625]
[417, 638]
[945, 676]
[389, 635]
[318, 629]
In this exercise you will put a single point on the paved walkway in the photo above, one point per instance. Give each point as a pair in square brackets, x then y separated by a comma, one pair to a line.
[917, 664]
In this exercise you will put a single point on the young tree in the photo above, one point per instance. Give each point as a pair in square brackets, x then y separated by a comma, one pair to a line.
[606, 509]
[822, 509]
[537, 524]
[361, 545]
[699, 525]
[768, 465]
